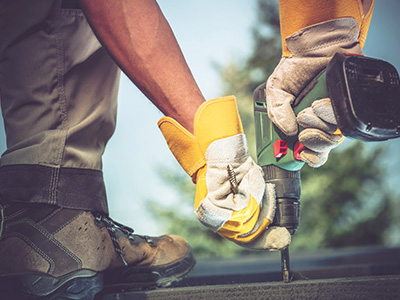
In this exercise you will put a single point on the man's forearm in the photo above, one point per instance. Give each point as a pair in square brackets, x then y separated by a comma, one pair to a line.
[140, 40]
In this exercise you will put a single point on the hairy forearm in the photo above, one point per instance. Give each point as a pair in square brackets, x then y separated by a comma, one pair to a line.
[140, 40]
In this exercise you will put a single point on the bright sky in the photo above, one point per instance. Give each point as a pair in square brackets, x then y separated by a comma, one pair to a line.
[208, 31]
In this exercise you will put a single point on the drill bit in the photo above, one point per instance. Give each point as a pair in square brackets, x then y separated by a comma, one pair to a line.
[285, 264]
[232, 179]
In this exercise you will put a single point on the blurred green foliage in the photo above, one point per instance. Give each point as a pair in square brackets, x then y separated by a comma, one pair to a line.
[344, 202]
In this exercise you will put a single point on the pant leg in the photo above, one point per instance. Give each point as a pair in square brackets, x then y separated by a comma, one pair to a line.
[58, 91]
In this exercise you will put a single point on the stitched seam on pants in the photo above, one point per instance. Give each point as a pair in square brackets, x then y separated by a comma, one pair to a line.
[60, 86]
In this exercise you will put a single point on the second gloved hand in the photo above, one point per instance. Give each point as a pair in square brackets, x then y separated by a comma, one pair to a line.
[311, 49]
[218, 143]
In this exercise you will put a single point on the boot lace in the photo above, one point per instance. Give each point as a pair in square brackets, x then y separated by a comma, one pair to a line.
[112, 226]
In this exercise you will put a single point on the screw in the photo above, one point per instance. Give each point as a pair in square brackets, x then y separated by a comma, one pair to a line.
[232, 179]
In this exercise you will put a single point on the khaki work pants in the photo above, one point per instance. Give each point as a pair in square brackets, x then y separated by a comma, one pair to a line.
[58, 92]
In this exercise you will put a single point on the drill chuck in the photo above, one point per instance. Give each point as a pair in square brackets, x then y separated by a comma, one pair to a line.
[287, 214]
[288, 191]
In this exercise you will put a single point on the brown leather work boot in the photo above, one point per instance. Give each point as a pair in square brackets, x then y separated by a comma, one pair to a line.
[48, 252]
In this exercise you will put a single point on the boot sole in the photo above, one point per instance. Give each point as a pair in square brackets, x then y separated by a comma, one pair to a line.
[85, 284]
[144, 278]
[78, 285]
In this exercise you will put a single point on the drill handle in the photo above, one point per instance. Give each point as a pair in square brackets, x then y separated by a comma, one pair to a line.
[273, 146]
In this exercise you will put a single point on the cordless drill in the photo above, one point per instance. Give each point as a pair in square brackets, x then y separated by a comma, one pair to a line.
[365, 96]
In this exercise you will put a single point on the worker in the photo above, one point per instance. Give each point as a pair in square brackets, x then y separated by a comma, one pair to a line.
[60, 62]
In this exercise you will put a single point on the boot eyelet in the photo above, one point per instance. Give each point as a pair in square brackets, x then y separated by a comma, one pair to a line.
[149, 240]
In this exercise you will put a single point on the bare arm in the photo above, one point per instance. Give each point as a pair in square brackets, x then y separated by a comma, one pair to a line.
[140, 40]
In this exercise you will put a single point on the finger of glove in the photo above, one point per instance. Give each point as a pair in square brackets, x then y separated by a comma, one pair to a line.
[272, 239]
[286, 82]
[289, 78]
[317, 140]
[314, 159]
[280, 110]
[324, 110]
[308, 119]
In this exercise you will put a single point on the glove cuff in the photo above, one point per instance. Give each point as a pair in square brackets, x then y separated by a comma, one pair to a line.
[296, 15]
[183, 146]
[325, 39]
[216, 119]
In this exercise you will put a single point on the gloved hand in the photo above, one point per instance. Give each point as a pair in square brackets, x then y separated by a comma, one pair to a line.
[311, 49]
[320, 134]
[237, 204]
[311, 34]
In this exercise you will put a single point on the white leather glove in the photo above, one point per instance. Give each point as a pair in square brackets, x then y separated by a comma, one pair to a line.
[236, 203]
[311, 50]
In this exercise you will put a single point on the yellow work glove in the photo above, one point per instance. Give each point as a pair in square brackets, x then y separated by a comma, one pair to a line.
[312, 32]
[236, 203]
